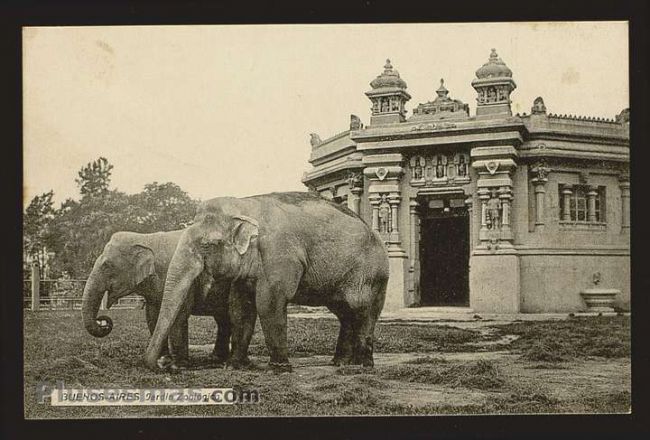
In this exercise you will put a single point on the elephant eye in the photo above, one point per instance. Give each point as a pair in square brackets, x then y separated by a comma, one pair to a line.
[208, 245]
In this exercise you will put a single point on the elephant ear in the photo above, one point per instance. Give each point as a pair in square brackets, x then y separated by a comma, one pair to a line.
[143, 264]
[246, 229]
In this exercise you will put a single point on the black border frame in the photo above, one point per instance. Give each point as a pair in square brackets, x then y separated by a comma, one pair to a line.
[14, 15]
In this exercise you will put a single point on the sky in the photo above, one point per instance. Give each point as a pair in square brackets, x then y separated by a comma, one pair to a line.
[227, 110]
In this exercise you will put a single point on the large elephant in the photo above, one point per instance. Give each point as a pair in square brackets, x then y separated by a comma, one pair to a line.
[138, 263]
[274, 249]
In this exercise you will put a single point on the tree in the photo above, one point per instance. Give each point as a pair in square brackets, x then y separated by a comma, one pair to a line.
[36, 227]
[79, 230]
[163, 207]
[95, 178]
[82, 228]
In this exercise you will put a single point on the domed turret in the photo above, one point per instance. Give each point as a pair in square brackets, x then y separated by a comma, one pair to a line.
[388, 96]
[493, 83]
[494, 68]
[390, 78]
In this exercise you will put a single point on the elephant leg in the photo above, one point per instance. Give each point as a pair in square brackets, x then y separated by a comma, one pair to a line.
[343, 353]
[178, 338]
[364, 321]
[152, 309]
[242, 318]
[221, 350]
[271, 300]
[179, 344]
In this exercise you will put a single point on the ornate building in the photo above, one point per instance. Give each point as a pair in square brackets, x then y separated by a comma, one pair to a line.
[495, 212]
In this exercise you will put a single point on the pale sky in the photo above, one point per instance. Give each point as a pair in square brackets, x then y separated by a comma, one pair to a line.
[227, 110]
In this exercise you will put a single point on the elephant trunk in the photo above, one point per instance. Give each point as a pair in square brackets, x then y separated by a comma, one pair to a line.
[92, 298]
[185, 266]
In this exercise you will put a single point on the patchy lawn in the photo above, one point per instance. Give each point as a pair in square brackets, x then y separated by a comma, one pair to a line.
[575, 338]
[579, 365]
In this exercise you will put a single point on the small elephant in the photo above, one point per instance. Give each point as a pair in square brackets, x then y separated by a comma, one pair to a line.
[138, 263]
[275, 249]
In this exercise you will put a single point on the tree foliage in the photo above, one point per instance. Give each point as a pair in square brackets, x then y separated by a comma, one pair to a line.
[36, 228]
[165, 207]
[77, 232]
[95, 178]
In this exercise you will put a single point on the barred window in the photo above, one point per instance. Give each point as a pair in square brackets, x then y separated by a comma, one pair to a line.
[576, 207]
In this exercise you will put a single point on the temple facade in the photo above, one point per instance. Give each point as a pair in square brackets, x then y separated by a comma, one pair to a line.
[493, 212]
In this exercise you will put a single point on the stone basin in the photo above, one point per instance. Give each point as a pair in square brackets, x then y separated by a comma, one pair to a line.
[600, 299]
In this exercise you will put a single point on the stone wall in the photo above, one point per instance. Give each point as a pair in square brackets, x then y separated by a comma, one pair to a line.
[552, 282]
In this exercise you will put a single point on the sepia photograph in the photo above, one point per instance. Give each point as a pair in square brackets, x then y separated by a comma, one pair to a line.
[326, 220]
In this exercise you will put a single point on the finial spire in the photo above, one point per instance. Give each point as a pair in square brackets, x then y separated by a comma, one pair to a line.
[388, 66]
[442, 90]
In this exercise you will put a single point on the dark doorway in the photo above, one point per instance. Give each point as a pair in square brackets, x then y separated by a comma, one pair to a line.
[444, 257]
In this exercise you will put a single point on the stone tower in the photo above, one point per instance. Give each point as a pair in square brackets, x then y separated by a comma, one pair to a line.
[388, 96]
[493, 84]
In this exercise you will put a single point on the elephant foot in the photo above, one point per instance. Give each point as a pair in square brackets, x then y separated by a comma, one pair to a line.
[217, 360]
[281, 367]
[168, 363]
[338, 361]
[164, 362]
[238, 364]
[364, 359]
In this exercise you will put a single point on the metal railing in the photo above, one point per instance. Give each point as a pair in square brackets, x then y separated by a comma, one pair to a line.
[66, 294]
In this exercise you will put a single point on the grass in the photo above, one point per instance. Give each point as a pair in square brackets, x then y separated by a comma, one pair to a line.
[481, 375]
[575, 338]
[56, 347]
[426, 360]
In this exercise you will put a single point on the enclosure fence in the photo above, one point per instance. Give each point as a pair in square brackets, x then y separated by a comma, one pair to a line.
[65, 294]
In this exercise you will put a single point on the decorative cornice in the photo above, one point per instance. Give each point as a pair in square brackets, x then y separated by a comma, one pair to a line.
[593, 119]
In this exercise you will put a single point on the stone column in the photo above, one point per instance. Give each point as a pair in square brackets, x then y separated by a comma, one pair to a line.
[470, 214]
[540, 171]
[484, 196]
[375, 200]
[414, 257]
[625, 203]
[540, 193]
[394, 200]
[566, 203]
[505, 194]
[355, 185]
[36, 287]
[354, 200]
[591, 204]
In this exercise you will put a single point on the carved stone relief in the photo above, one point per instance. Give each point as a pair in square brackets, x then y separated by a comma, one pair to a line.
[439, 169]
[493, 208]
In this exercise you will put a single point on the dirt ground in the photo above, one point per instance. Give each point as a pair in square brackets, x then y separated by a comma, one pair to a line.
[571, 366]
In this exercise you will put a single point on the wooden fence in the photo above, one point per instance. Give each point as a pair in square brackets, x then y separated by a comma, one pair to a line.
[44, 294]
